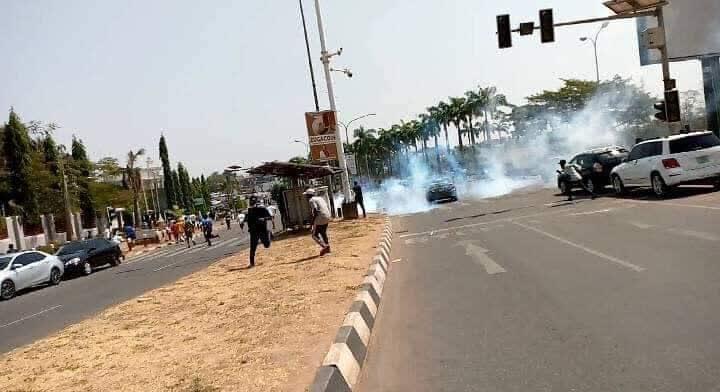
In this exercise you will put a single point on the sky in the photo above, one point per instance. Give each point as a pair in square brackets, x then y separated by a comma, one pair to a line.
[227, 81]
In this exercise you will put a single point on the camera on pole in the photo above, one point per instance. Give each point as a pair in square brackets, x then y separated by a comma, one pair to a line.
[547, 26]
[504, 31]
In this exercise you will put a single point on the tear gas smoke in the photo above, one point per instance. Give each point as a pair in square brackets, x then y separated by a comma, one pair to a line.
[504, 167]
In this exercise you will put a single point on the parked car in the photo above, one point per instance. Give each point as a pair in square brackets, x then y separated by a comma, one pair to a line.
[26, 269]
[692, 158]
[440, 190]
[83, 256]
[595, 167]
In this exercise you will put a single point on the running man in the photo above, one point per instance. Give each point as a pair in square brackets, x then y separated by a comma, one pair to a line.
[207, 227]
[357, 189]
[256, 218]
[572, 177]
[320, 220]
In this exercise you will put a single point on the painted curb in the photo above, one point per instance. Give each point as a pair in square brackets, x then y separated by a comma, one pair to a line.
[342, 365]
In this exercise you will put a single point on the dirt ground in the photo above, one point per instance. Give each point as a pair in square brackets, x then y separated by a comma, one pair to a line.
[225, 328]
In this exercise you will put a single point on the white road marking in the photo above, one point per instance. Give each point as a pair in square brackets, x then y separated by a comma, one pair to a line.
[697, 234]
[605, 211]
[641, 225]
[479, 255]
[30, 316]
[667, 203]
[181, 260]
[396, 261]
[593, 252]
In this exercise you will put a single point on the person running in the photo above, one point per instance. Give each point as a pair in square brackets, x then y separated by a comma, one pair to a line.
[130, 236]
[320, 220]
[357, 189]
[227, 221]
[207, 227]
[256, 219]
[572, 177]
[189, 233]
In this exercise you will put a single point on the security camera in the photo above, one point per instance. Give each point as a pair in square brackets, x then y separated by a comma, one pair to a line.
[349, 73]
[339, 52]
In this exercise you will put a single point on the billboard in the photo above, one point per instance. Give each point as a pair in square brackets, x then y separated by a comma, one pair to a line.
[692, 31]
[321, 128]
[351, 165]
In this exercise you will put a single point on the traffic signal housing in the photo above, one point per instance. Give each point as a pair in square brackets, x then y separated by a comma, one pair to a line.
[669, 109]
[547, 26]
[504, 31]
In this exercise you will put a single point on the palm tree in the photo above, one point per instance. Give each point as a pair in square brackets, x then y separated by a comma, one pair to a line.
[442, 115]
[457, 116]
[364, 144]
[135, 180]
[488, 101]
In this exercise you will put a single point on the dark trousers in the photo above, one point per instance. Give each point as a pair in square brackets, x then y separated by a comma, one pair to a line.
[208, 236]
[573, 184]
[321, 233]
[361, 203]
[255, 239]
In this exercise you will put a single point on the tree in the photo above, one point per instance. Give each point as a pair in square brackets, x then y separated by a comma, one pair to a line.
[82, 164]
[18, 161]
[170, 190]
[457, 116]
[205, 190]
[134, 180]
[184, 181]
[179, 197]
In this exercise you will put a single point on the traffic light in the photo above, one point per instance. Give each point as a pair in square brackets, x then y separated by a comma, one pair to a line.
[504, 31]
[669, 109]
[547, 26]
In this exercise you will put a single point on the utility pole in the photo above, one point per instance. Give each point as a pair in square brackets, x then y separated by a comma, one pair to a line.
[69, 225]
[307, 48]
[325, 57]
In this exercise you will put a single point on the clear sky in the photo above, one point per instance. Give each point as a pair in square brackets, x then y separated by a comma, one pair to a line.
[227, 80]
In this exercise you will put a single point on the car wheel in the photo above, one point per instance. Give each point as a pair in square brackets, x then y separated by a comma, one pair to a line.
[86, 268]
[55, 276]
[658, 185]
[590, 184]
[7, 289]
[618, 185]
[115, 261]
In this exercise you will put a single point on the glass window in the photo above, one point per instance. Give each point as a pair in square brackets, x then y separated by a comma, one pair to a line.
[71, 248]
[637, 152]
[654, 149]
[29, 258]
[4, 261]
[694, 143]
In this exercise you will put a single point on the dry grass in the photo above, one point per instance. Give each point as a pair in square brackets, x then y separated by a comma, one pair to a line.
[225, 328]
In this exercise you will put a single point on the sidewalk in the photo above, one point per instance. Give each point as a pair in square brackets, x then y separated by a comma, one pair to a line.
[225, 328]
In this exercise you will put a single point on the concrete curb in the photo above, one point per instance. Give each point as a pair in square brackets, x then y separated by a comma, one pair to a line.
[341, 367]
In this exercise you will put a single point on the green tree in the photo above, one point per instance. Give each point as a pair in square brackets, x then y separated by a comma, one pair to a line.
[205, 191]
[170, 190]
[18, 163]
[134, 179]
[83, 166]
[184, 181]
[179, 196]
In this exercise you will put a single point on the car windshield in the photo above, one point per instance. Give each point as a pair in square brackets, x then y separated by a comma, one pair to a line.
[71, 248]
[4, 261]
[694, 143]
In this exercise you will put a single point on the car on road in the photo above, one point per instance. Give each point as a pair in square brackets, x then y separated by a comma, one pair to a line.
[661, 164]
[441, 190]
[82, 256]
[595, 167]
[26, 269]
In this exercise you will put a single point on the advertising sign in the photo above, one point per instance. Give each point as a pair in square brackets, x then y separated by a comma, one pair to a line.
[321, 128]
[351, 165]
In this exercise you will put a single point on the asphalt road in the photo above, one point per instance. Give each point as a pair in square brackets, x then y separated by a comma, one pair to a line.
[41, 311]
[529, 293]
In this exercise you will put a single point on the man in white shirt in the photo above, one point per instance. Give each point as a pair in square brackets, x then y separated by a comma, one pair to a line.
[572, 177]
[320, 220]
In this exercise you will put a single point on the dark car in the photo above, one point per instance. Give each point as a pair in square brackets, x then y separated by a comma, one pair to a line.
[595, 166]
[83, 256]
[441, 190]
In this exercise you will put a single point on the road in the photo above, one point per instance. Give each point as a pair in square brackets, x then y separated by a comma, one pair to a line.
[39, 312]
[529, 293]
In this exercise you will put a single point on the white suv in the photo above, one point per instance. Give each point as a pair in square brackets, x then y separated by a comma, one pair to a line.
[666, 162]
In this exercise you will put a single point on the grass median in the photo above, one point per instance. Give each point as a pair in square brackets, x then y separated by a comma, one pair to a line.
[225, 328]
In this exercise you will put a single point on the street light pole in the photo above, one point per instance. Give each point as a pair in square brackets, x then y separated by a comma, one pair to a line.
[307, 47]
[307, 146]
[325, 57]
[594, 42]
[347, 139]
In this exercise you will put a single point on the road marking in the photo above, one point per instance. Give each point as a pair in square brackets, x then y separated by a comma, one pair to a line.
[479, 224]
[667, 203]
[479, 255]
[181, 260]
[641, 225]
[31, 316]
[396, 261]
[605, 211]
[593, 252]
[697, 234]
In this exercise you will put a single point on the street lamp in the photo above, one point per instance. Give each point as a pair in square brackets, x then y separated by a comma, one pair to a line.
[594, 42]
[346, 71]
[347, 139]
[306, 145]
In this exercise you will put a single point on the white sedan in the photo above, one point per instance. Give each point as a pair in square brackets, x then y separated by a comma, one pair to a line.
[26, 269]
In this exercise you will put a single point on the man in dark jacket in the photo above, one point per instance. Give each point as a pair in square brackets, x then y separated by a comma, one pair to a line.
[357, 189]
[256, 219]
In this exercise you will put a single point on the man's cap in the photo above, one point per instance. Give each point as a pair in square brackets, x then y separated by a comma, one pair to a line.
[562, 161]
[309, 192]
